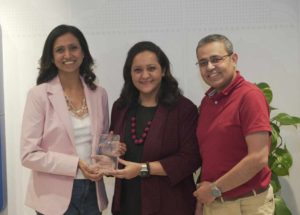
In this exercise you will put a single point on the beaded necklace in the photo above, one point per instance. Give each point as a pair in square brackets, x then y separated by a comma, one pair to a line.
[134, 137]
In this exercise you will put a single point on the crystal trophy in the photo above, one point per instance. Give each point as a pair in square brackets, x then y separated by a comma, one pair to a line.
[108, 151]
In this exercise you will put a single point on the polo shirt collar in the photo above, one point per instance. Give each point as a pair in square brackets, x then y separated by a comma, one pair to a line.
[212, 92]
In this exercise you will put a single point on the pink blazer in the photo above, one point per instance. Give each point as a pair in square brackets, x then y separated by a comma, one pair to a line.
[47, 145]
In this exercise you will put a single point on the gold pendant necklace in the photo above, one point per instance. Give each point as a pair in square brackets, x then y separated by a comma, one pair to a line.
[79, 112]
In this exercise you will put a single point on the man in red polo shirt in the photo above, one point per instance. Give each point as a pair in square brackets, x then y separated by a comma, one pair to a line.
[234, 136]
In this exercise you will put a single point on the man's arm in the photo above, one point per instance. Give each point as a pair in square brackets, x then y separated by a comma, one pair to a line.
[247, 168]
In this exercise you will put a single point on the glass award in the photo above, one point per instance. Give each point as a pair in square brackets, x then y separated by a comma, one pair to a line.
[108, 151]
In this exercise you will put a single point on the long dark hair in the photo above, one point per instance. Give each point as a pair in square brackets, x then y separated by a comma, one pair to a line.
[48, 70]
[169, 91]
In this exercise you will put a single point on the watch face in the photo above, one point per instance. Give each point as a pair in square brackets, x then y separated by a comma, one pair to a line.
[215, 191]
[144, 173]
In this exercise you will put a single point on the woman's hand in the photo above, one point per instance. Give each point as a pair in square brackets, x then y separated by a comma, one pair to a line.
[121, 149]
[131, 169]
[92, 173]
[119, 146]
[199, 208]
[203, 193]
[104, 163]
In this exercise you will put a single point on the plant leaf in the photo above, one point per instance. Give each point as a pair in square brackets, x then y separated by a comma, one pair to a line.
[275, 183]
[263, 85]
[283, 161]
[272, 159]
[274, 137]
[272, 108]
[280, 207]
[275, 127]
[265, 88]
[286, 119]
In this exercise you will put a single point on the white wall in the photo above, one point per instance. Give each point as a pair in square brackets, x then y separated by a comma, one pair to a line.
[265, 34]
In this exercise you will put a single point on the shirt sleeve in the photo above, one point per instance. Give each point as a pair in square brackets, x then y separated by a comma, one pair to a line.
[187, 159]
[254, 113]
[33, 155]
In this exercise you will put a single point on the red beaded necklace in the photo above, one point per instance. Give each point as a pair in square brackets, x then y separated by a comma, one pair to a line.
[134, 137]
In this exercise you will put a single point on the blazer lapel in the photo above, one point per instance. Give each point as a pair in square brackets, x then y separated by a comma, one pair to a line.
[120, 124]
[92, 104]
[57, 99]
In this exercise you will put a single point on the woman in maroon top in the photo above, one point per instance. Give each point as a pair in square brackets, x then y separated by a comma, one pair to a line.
[158, 126]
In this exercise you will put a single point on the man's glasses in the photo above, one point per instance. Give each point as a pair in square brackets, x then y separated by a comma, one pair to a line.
[214, 60]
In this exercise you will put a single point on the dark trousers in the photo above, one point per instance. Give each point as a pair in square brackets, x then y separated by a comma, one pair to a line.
[84, 199]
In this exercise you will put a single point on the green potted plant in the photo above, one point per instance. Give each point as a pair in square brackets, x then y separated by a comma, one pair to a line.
[280, 159]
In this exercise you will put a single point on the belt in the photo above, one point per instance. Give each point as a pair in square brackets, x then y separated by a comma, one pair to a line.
[251, 193]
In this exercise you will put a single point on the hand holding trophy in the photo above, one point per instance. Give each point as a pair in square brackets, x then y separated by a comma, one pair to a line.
[109, 149]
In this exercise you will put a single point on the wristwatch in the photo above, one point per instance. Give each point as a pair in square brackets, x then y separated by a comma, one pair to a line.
[215, 191]
[145, 171]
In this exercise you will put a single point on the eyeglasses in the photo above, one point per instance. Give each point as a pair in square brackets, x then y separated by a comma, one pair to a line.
[214, 60]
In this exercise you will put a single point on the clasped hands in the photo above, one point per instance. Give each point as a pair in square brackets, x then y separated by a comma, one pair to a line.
[203, 195]
[103, 164]
[130, 170]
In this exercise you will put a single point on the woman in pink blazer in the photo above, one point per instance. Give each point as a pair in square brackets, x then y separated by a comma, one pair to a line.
[63, 118]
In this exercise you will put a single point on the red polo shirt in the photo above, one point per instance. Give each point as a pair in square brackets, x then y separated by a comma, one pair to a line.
[225, 119]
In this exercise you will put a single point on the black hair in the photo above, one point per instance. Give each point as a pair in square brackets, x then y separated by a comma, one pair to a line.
[169, 91]
[48, 70]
